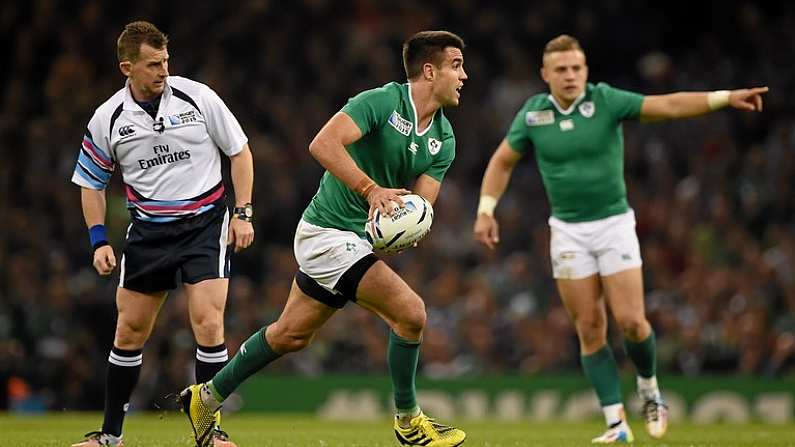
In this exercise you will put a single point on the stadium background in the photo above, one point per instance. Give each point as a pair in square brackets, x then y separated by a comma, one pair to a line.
[713, 196]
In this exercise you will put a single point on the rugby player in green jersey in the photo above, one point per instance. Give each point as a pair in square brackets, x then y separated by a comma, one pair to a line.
[382, 141]
[576, 136]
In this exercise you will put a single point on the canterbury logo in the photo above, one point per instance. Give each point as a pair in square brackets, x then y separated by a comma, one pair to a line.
[126, 131]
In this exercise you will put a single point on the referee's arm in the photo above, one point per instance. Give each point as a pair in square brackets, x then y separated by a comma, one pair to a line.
[241, 232]
[93, 203]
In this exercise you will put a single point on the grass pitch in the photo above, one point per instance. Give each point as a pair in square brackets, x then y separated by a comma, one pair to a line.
[171, 429]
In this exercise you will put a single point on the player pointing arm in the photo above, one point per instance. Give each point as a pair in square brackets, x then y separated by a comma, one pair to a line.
[576, 136]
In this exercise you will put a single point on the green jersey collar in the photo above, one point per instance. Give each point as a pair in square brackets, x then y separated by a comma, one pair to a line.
[573, 104]
[416, 118]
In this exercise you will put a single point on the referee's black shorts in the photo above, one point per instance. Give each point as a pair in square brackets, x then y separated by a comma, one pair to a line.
[157, 256]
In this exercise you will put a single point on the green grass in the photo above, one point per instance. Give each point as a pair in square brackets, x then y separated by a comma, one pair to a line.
[171, 429]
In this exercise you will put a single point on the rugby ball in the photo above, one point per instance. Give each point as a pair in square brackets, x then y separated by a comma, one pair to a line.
[404, 228]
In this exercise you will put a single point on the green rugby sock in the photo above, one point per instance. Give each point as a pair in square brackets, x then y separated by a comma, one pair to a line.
[601, 369]
[643, 355]
[253, 355]
[402, 357]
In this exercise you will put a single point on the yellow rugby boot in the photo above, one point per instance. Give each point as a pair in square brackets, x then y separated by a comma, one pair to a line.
[426, 432]
[200, 415]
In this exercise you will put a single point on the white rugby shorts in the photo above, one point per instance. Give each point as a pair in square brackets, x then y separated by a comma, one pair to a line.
[325, 254]
[605, 246]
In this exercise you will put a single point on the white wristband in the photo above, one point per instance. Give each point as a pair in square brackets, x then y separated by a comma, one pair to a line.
[487, 205]
[718, 99]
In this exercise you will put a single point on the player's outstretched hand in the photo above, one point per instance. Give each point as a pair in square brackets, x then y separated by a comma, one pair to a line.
[487, 231]
[749, 99]
[104, 260]
[381, 199]
[241, 234]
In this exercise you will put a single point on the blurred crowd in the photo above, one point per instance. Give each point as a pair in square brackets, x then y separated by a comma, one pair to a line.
[713, 195]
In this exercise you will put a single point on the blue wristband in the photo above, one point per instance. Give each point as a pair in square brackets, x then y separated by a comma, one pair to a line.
[98, 236]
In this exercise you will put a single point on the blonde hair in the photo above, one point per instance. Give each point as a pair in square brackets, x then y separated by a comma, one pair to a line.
[564, 42]
[128, 46]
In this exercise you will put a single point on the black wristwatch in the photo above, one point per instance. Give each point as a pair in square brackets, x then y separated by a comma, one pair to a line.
[245, 212]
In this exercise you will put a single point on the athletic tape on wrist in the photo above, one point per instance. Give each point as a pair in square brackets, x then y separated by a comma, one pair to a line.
[364, 186]
[487, 205]
[718, 99]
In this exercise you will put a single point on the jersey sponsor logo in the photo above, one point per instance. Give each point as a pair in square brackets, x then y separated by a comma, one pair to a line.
[566, 125]
[183, 118]
[434, 146]
[400, 124]
[163, 156]
[126, 131]
[413, 148]
[539, 117]
[587, 109]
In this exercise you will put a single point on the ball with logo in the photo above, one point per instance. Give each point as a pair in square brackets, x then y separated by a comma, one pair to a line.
[404, 228]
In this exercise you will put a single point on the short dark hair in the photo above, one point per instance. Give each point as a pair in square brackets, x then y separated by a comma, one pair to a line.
[128, 46]
[427, 46]
[564, 42]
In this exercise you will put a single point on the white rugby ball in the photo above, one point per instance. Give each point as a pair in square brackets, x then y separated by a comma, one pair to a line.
[404, 228]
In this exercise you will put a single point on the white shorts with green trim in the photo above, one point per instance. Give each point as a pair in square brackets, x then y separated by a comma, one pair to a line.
[325, 254]
[605, 246]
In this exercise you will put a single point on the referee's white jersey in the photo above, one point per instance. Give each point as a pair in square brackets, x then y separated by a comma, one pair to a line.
[170, 165]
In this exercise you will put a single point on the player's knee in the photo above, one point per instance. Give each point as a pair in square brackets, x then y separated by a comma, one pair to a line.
[411, 323]
[296, 342]
[592, 332]
[130, 335]
[284, 341]
[634, 327]
[209, 328]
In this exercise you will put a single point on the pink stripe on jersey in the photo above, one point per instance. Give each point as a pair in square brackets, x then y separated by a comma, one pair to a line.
[97, 155]
[188, 206]
[176, 207]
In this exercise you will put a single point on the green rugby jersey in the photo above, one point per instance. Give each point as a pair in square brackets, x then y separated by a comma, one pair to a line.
[579, 151]
[390, 151]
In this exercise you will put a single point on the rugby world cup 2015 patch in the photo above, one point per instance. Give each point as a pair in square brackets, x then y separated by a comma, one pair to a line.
[400, 124]
[183, 118]
[539, 118]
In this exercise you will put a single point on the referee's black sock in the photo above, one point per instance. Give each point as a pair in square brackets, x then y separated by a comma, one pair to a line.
[210, 360]
[124, 367]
